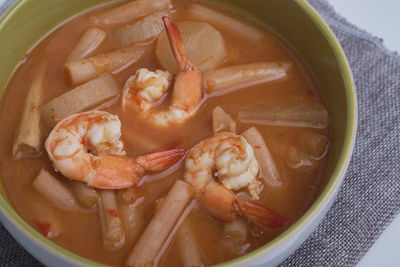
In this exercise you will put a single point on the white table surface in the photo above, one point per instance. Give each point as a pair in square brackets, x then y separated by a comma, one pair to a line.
[381, 18]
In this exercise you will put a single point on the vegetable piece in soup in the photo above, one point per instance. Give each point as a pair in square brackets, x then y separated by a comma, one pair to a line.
[204, 45]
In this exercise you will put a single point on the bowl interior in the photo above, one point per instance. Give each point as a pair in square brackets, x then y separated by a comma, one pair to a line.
[295, 22]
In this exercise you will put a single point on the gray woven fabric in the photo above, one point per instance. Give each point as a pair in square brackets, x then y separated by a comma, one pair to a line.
[370, 196]
[5, 5]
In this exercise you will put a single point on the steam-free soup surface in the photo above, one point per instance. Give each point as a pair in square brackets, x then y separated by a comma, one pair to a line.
[80, 232]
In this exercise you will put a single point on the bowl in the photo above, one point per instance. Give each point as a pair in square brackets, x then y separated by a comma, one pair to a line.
[295, 22]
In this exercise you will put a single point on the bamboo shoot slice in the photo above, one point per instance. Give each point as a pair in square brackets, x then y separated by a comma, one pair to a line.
[151, 241]
[222, 121]
[81, 98]
[132, 218]
[200, 12]
[145, 29]
[89, 41]
[232, 78]
[172, 234]
[86, 195]
[27, 143]
[268, 170]
[130, 11]
[110, 221]
[204, 46]
[114, 62]
[312, 114]
[54, 192]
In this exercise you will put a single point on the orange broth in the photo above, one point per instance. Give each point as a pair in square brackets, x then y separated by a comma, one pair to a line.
[81, 233]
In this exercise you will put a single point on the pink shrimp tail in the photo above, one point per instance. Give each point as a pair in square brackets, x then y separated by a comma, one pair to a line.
[260, 214]
[115, 172]
[161, 160]
[176, 43]
[188, 88]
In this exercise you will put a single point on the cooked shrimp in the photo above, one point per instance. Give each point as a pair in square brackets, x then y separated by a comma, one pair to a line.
[86, 147]
[232, 158]
[144, 90]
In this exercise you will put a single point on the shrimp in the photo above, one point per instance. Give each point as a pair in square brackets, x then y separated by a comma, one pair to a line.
[86, 147]
[232, 158]
[143, 91]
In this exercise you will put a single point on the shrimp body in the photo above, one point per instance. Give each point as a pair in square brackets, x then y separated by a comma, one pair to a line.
[231, 159]
[87, 147]
[144, 90]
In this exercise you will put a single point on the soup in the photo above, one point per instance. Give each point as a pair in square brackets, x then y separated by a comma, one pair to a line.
[245, 97]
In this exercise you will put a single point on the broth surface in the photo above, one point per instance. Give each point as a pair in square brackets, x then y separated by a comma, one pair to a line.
[81, 233]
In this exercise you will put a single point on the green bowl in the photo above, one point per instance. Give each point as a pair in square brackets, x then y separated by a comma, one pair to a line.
[294, 21]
